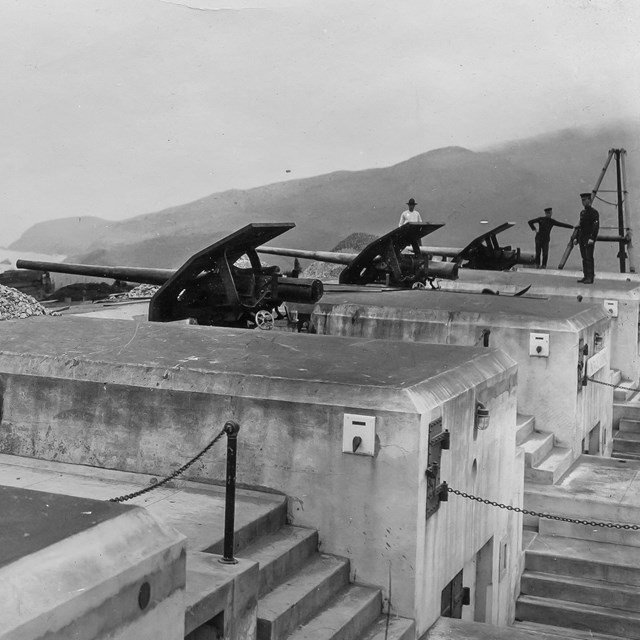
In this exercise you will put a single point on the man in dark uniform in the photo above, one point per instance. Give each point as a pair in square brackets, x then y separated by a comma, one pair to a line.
[543, 235]
[587, 235]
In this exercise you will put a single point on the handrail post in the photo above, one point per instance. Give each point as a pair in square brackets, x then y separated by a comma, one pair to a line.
[231, 429]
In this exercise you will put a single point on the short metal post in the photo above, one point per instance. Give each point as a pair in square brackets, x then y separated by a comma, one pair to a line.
[231, 429]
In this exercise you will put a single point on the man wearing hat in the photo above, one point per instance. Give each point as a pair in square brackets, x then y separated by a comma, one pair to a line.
[410, 215]
[543, 235]
[587, 235]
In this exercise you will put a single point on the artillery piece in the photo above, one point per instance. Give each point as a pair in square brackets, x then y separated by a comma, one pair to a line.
[209, 288]
[384, 260]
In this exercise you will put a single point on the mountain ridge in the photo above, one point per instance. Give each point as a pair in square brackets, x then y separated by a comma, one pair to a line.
[512, 181]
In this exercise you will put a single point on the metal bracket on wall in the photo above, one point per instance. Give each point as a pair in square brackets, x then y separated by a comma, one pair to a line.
[438, 440]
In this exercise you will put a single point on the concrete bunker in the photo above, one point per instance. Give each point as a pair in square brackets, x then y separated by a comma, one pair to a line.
[145, 397]
[555, 342]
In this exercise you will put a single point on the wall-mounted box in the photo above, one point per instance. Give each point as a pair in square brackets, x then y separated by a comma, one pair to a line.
[359, 434]
[611, 307]
[539, 344]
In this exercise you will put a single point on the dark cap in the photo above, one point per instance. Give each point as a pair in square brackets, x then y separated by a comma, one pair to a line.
[548, 209]
[585, 195]
[412, 201]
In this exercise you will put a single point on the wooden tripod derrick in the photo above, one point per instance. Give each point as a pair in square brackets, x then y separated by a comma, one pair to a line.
[624, 231]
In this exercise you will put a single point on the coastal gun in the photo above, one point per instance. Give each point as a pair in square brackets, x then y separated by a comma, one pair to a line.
[485, 252]
[209, 287]
[383, 261]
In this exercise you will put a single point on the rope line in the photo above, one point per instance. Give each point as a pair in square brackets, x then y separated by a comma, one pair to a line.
[175, 474]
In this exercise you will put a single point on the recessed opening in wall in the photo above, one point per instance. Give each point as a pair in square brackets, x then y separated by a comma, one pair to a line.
[591, 442]
[211, 630]
[484, 583]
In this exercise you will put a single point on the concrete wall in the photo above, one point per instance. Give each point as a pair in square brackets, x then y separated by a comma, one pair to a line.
[478, 463]
[625, 290]
[547, 386]
[145, 415]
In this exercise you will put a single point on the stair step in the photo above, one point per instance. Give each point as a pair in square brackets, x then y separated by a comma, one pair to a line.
[552, 468]
[524, 427]
[280, 553]
[346, 616]
[581, 590]
[587, 617]
[628, 424]
[584, 558]
[615, 376]
[450, 629]
[245, 535]
[301, 596]
[626, 442]
[537, 447]
[624, 392]
[549, 632]
[528, 536]
[625, 456]
[390, 628]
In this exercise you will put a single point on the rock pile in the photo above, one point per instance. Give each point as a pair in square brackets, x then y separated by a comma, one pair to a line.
[143, 291]
[15, 304]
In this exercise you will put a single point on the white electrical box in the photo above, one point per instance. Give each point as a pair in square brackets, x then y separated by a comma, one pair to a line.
[359, 434]
[539, 344]
[611, 307]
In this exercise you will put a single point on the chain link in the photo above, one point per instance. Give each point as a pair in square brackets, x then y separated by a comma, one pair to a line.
[175, 474]
[548, 516]
[615, 386]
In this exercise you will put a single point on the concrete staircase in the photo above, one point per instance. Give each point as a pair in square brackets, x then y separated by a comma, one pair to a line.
[626, 418]
[307, 594]
[581, 584]
[544, 462]
[626, 440]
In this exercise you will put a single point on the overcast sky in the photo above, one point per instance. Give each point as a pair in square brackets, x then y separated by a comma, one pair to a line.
[115, 108]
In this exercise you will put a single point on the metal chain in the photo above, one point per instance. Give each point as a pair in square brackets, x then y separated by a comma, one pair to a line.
[548, 516]
[615, 386]
[175, 474]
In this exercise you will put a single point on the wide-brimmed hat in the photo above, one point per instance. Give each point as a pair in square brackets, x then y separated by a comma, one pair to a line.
[412, 201]
[585, 195]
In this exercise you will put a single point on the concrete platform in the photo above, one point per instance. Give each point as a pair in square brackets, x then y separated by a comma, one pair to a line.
[194, 509]
[594, 489]
[68, 562]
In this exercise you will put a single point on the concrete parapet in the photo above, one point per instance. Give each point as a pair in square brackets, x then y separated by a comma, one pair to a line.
[67, 564]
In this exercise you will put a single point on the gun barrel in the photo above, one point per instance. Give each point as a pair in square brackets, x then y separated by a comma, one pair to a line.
[323, 256]
[128, 274]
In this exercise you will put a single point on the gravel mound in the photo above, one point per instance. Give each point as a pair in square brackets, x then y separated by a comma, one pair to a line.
[15, 304]
[142, 291]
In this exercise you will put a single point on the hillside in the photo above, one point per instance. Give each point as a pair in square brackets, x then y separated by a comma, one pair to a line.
[459, 187]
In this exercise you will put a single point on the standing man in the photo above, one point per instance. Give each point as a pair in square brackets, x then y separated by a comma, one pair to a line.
[543, 235]
[587, 236]
[410, 215]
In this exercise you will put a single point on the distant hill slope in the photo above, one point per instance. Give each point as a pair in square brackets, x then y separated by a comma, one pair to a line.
[453, 185]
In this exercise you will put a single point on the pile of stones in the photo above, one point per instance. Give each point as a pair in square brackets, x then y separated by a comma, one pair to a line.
[143, 291]
[15, 304]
